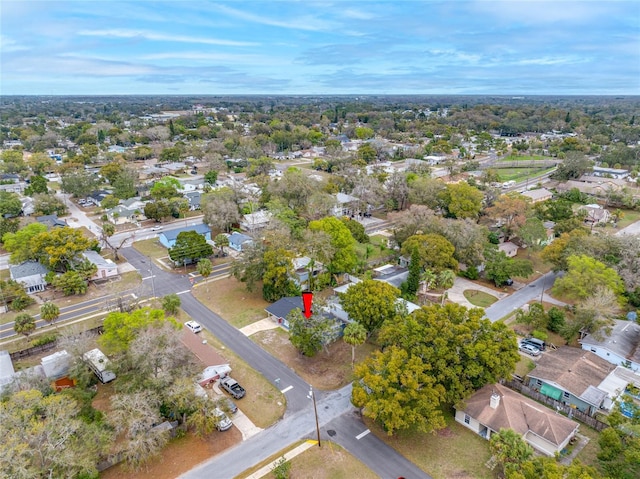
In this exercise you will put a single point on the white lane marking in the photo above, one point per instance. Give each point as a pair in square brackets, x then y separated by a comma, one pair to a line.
[288, 388]
[362, 434]
[134, 296]
[149, 277]
[184, 292]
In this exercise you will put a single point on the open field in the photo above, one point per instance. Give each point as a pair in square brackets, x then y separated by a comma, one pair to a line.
[151, 248]
[327, 462]
[520, 174]
[511, 158]
[229, 298]
[452, 452]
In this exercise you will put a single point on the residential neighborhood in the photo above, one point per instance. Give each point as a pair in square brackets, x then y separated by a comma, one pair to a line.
[208, 272]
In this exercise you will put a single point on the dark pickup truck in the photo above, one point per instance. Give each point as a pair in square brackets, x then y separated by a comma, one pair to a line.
[232, 387]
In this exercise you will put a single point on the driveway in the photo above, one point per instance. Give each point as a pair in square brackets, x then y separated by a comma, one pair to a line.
[632, 229]
[78, 217]
[455, 294]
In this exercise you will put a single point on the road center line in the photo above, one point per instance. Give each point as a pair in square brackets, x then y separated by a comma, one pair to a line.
[288, 388]
[362, 434]
[184, 292]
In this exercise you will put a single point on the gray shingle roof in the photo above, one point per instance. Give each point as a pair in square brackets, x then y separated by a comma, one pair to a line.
[171, 235]
[282, 307]
[624, 340]
[26, 269]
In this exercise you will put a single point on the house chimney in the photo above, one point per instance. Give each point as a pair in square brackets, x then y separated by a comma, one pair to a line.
[494, 402]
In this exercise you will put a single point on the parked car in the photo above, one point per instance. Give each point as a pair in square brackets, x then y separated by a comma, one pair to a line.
[536, 343]
[156, 228]
[228, 405]
[531, 350]
[223, 421]
[193, 326]
[508, 282]
[232, 387]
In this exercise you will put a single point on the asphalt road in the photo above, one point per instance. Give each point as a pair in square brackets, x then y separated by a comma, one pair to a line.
[521, 297]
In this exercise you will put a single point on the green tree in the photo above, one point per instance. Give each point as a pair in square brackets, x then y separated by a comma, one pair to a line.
[124, 186]
[49, 312]
[13, 295]
[410, 287]
[277, 279]
[110, 201]
[221, 241]
[70, 283]
[461, 200]
[46, 204]
[509, 449]
[398, 391]
[370, 303]
[357, 229]
[533, 233]
[511, 210]
[166, 188]
[342, 258]
[19, 243]
[463, 350]
[8, 225]
[584, 275]
[499, 267]
[354, 334]
[46, 436]
[37, 184]
[205, 268]
[445, 279]
[367, 153]
[211, 177]
[10, 204]
[190, 246]
[157, 210]
[310, 335]
[434, 251]
[220, 208]
[171, 303]
[121, 328]
[58, 249]
[24, 324]
[79, 183]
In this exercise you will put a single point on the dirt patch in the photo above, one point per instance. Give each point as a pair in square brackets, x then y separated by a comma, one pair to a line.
[446, 432]
[179, 456]
[329, 369]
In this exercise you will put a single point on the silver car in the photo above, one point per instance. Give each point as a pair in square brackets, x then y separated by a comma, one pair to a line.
[532, 350]
[224, 422]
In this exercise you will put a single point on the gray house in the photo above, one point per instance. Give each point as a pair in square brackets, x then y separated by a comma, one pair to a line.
[237, 241]
[31, 274]
[168, 238]
[572, 376]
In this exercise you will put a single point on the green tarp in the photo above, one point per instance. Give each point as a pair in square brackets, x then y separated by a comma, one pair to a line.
[551, 392]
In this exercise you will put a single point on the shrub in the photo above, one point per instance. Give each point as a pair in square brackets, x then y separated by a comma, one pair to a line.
[541, 335]
[44, 339]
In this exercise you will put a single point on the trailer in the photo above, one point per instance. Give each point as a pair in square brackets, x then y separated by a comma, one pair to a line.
[99, 364]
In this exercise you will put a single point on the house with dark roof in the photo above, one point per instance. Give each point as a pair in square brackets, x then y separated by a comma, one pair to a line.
[193, 197]
[97, 197]
[237, 241]
[496, 407]
[279, 311]
[168, 238]
[30, 274]
[572, 376]
[621, 347]
[51, 221]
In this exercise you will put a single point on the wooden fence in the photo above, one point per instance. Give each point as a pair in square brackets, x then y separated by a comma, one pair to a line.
[34, 350]
[557, 405]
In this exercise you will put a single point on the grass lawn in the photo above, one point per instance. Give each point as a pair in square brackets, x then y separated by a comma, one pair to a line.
[377, 248]
[589, 455]
[479, 298]
[524, 367]
[520, 174]
[453, 452]
[511, 158]
[329, 369]
[151, 247]
[327, 462]
[230, 299]
[628, 217]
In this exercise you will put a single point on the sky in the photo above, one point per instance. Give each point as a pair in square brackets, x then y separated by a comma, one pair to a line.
[317, 47]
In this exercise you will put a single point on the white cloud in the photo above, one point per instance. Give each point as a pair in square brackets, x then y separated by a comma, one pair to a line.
[9, 45]
[162, 37]
[548, 11]
[305, 22]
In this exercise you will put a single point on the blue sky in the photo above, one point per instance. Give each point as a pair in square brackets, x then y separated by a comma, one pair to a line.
[319, 47]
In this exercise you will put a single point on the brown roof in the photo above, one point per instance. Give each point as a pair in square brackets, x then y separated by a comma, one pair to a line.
[519, 413]
[572, 369]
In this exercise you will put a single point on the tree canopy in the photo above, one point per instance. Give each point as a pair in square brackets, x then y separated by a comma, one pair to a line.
[371, 303]
[190, 247]
[434, 251]
[584, 275]
[343, 258]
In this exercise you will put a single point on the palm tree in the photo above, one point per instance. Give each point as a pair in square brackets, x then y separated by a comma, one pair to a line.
[354, 334]
[205, 268]
[428, 279]
[49, 312]
[24, 324]
[446, 278]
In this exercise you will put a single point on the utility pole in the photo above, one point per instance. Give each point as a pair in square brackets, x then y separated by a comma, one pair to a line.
[312, 396]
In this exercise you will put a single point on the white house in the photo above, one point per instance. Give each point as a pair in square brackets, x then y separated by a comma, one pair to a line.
[106, 267]
[255, 221]
[496, 407]
[508, 248]
[30, 274]
[621, 347]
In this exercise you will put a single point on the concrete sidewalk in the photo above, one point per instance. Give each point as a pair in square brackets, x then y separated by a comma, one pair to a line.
[456, 292]
[287, 456]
